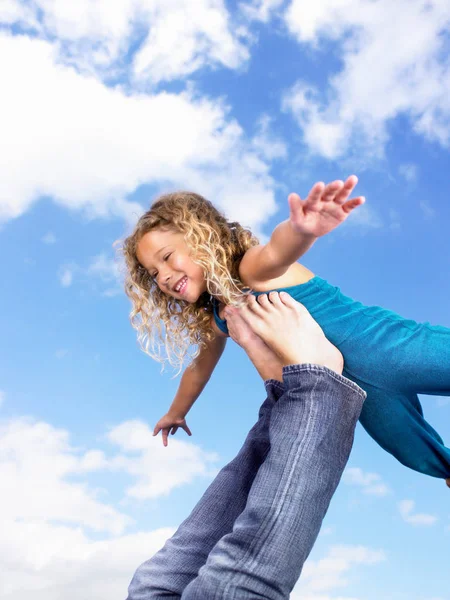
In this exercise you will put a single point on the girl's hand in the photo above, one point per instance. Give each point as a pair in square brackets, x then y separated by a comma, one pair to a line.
[324, 208]
[167, 422]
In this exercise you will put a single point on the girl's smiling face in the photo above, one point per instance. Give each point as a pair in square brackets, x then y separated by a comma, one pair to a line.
[167, 258]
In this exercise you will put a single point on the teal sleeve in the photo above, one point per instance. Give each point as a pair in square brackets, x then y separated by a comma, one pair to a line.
[221, 323]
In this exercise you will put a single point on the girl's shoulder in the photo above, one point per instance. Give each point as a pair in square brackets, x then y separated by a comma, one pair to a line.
[294, 275]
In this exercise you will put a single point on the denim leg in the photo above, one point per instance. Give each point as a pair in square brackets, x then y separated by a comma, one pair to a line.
[169, 571]
[311, 434]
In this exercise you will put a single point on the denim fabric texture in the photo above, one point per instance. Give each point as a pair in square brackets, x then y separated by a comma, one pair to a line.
[255, 525]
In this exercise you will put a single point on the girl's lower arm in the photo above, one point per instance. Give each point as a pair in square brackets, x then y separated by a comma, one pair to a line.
[191, 386]
[286, 246]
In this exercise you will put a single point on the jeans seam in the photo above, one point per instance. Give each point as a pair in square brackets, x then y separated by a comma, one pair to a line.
[264, 526]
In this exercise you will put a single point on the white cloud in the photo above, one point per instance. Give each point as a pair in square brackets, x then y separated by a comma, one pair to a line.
[375, 85]
[266, 143]
[406, 508]
[261, 10]
[326, 138]
[108, 271]
[427, 210]
[49, 514]
[49, 238]
[89, 146]
[185, 37]
[66, 274]
[35, 460]
[13, 11]
[2, 398]
[50, 562]
[371, 483]
[105, 273]
[319, 578]
[363, 218]
[158, 469]
[409, 171]
[177, 38]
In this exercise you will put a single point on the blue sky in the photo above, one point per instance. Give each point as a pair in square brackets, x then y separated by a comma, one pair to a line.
[102, 108]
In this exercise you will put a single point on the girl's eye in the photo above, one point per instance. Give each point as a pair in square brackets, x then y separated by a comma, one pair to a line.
[165, 258]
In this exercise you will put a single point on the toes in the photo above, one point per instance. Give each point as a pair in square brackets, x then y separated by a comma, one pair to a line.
[288, 299]
[269, 300]
[263, 300]
[274, 297]
[253, 306]
[291, 302]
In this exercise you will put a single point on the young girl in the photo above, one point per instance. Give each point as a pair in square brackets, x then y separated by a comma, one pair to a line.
[185, 262]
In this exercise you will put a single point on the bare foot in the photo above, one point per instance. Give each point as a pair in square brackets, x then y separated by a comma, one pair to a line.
[266, 361]
[286, 326]
[241, 332]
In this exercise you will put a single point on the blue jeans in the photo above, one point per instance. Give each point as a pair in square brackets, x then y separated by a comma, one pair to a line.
[255, 525]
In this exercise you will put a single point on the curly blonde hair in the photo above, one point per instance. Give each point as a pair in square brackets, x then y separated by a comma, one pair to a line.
[215, 244]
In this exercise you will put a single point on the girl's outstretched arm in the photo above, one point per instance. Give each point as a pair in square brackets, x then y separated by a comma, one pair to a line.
[324, 209]
[193, 381]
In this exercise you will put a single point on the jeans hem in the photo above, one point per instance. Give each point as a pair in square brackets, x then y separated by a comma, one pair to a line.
[275, 382]
[291, 370]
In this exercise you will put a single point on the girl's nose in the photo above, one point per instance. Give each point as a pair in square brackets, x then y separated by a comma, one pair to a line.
[166, 279]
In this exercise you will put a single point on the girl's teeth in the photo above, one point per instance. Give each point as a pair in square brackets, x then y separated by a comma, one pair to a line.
[183, 282]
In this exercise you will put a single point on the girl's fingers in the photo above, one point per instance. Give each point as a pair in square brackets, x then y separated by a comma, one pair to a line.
[330, 191]
[353, 203]
[315, 194]
[174, 430]
[348, 188]
[165, 433]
